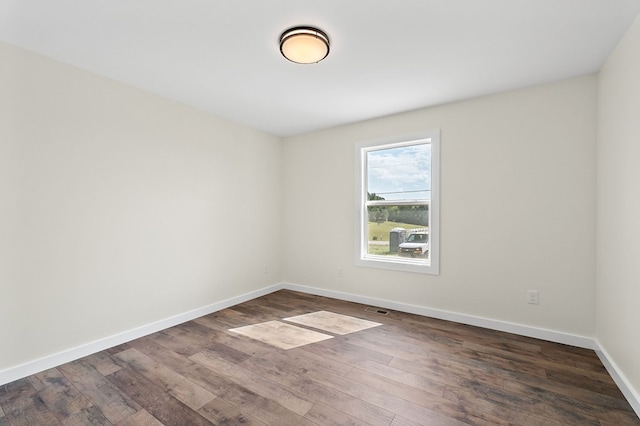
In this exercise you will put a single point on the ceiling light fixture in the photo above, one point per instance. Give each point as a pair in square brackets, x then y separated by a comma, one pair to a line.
[304, 45]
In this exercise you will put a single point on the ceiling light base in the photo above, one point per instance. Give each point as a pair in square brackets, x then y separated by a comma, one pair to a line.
[304, 45]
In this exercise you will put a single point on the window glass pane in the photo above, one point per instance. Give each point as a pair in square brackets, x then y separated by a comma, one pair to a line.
[402, 173]
[397, 213]
[398, 230]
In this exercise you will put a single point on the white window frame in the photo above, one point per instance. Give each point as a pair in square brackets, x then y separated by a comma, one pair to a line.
[362, 258]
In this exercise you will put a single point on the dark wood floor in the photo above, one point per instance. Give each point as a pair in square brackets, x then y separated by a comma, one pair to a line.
[409, 371]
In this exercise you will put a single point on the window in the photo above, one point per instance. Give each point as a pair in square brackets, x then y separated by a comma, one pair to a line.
[397, 194]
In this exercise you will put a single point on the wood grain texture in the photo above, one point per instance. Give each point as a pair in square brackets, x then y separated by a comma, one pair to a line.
[168, 380]
[141, 418]
[115, 405]
[408, 371]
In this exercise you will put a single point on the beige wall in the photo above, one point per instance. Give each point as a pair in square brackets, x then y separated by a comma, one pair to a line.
[517, 208]
[618, 242]
[119, 208]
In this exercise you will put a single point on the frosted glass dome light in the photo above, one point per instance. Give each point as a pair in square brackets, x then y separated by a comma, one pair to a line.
[304, 45]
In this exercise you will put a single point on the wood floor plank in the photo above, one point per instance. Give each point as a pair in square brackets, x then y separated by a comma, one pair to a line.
[217, 411]
[415, 337]
[420, 398]
[446, 372]
[87, 416]
[178, 340]
[394, 403]
[213, 321]
[539, 360]
[601, 390]
[117, 349]
[58, 394]
[415, 381]
[269, 311]
[310, 360]
[601, 383]
[103, 362]
[542, 358]
[192, 337]
[392, 348]
[297, 303]
[391, 386]
[515, 409]
[495, 364]
[114, 404]
[341, 351]
[618, 419]
[23, 407]
[254, 383]
[264, 409]
[326, 415]
[247, 402]
[141, 418]
[246, 346]
[159, 352]
[220, 412]
[155, 400]
[410, 370]
[289, 370]
[171, 382]
[580, 393]
[559, 406]
[402, 421]
[230, 318]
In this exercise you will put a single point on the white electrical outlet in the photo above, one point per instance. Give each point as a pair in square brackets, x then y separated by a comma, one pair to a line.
[266, 269]
[532, 297]
[340, 273]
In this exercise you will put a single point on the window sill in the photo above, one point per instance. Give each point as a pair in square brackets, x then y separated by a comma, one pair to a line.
[397, 264]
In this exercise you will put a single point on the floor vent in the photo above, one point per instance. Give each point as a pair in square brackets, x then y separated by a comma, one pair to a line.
[376, 310]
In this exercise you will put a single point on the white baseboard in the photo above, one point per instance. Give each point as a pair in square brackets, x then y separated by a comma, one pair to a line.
[523, 330]
[50, 361]
[625, 387]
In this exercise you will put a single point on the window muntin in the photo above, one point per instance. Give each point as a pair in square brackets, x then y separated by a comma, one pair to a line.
[397, 192]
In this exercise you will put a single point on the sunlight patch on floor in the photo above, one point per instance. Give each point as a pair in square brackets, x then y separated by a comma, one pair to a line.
[332, 322]
[281, 335]
[288, 336]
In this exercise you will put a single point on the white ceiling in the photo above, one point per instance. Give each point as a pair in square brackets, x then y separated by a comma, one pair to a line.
[386, 57]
